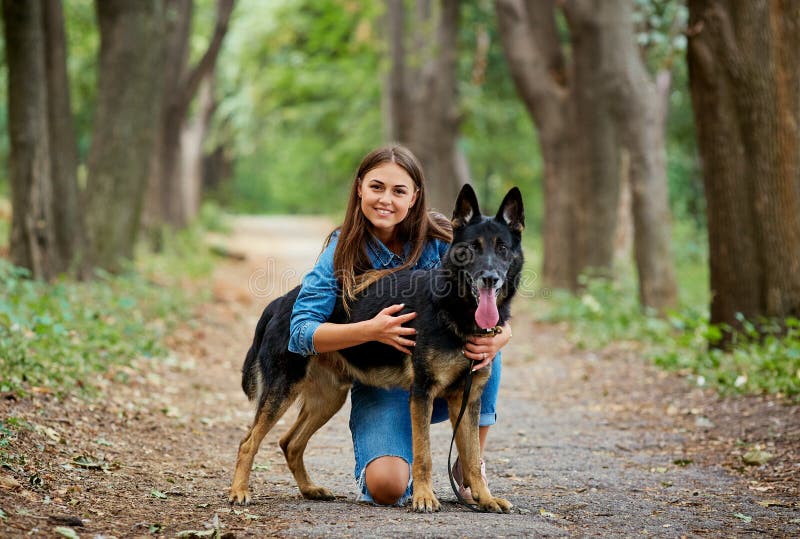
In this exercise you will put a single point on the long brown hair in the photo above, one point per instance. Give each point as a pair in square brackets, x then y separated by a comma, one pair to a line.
[351, 264]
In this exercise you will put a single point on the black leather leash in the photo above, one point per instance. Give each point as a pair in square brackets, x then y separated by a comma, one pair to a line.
[464, 399]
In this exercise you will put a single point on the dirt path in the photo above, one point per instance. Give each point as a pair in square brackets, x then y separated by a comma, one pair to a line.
[588, 443]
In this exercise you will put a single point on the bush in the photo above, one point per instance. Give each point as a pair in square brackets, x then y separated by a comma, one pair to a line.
[65, 335]
[764, 358]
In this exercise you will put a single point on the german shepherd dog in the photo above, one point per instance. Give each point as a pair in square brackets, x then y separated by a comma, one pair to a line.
[467, 295]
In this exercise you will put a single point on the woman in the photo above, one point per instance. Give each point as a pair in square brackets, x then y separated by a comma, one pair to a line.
[387, 228]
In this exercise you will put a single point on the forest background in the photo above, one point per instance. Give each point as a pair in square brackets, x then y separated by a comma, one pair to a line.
[277, 102]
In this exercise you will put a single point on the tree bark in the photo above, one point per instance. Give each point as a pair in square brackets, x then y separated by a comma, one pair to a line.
[638, 109]
[744, 81]
[589, 112]
[167, 194]
[123, 132]
[70, 230]
[397, 118]
[597, 158]
[423, 103]
[33, 239]
[581, 173]
[192, 137]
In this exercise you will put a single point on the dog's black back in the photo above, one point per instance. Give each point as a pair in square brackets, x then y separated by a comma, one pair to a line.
[445, 300]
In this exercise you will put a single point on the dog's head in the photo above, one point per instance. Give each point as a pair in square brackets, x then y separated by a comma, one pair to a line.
[486, 252]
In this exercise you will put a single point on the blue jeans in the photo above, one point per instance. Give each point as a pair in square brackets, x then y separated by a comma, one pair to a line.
[380, 422]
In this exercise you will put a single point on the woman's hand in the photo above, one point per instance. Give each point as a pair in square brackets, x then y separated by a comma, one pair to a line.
[484, 349]
[388, 329]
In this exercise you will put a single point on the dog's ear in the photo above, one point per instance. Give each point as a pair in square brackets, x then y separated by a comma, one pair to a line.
[466, 207]
[511, 212]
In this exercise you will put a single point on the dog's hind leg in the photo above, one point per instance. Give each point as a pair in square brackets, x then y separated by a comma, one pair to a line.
[323, 394]
[267, 415]
[468, 444]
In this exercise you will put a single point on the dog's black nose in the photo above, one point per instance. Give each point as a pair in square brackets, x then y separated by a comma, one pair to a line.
[488, 279]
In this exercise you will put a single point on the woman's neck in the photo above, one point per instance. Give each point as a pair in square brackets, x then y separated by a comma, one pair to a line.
[389, 239]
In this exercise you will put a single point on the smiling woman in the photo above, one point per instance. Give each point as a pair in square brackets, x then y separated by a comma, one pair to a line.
[387, 228]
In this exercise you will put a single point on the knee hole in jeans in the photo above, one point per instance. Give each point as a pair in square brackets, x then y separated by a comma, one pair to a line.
[387, 479]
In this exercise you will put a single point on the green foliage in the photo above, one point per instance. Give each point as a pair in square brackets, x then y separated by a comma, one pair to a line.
[497, 133]
[762, 359]
[765, 361]
[66, 335]
[212, 218]
[302, 101]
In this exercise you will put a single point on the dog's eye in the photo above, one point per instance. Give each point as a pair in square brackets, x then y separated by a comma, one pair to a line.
[501, 249]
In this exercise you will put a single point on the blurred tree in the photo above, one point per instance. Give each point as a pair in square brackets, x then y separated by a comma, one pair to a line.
[592, 107]
[300, 102]
[422, 105]
[639, 107]
[743, 69]
[422, 89]
[577, 143]
[123, 134]
[33, 238]
[172, 196]
[70, 229]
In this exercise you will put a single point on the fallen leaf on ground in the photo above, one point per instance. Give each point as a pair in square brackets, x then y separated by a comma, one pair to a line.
[50, 432]
[548, 514]
[756, 457]
[88, 462]
[66, 532]
[770, 503]
[190, 534]
[9, 483]
[155, 493]
[744, 518]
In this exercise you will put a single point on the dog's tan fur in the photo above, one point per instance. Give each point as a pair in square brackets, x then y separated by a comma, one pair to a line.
[324, 391]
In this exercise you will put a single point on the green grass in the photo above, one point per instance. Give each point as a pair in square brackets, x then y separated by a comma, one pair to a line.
[65, 336]
[608, 310]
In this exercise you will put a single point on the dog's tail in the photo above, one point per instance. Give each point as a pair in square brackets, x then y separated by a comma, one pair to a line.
[251, 370]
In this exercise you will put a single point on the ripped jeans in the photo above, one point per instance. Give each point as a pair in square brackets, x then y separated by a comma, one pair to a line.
[380, 422]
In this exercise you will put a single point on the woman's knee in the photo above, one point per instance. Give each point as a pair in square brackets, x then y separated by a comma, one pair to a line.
[387, 479]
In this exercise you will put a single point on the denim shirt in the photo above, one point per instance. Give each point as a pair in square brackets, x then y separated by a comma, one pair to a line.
[320, 288]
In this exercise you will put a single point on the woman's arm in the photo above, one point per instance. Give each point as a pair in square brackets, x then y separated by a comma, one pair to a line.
[310, 332]
[384, 327]
[314, 304]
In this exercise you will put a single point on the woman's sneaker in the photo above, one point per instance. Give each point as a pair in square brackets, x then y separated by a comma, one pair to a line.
[458, 475]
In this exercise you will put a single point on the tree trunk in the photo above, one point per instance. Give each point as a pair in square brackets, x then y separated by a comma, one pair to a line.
[744, 80]
[192, 137]
[33, 238]
[167, 194]
[598, 150]
[422, 103]
[70, 230]
[542, 78]
[585, 125]
[577, 136]
[639, 113]
[174, 54]
[123, 133]
[397, 119]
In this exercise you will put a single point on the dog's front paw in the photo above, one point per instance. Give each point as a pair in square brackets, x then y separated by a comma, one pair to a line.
[425, 501]
[495, 505]
[317, 493]
[239, 496]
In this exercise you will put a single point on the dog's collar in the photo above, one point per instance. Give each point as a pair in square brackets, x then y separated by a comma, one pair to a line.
[489, 332]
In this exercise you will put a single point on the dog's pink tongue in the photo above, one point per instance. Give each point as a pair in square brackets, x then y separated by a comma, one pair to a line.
[486, 316]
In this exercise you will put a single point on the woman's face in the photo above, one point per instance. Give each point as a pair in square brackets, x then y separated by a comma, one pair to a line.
[387, 192]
